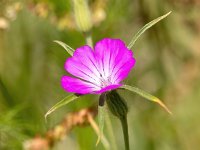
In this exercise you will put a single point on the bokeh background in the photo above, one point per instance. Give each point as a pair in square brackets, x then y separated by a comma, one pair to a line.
[168, 66]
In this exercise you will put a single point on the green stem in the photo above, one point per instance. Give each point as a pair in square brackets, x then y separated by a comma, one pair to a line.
[88, 38]
[124, 124]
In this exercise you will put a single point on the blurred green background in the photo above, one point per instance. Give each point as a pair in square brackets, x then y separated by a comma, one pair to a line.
[168, 66]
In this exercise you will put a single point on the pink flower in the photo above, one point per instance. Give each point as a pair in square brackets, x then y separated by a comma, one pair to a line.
[99, 70]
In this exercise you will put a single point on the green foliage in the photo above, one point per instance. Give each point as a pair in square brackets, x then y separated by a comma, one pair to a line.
[61, 103]
[66, 47]
[144, 28]
[101, 120]
[145, 95]
[11, 129]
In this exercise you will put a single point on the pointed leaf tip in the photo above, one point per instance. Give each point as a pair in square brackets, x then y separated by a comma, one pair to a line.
[162, 105]
[61, 103]
[144, 28]
[65, 46]
[146, 95]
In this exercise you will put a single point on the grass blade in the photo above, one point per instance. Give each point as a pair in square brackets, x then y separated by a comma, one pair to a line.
[144, 28]
[146, 95]
[61, 103]
[66, 47]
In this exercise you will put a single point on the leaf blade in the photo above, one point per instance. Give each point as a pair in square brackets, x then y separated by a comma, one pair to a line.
[146, 95]
[110, 133]
[144, 28]
[97, 131]
[61, 103]
[66, 47]
[101, 120]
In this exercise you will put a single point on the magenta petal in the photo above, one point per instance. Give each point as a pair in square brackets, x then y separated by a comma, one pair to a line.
[108, 88]
[83, 65]
[122, 70]
[114, 59]
[106, 52]
[75, 85]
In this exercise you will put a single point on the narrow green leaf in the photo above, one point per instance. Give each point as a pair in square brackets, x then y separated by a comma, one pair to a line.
[66, 47]
[144, 28]
[96, 128]
[110, 133]
[146, 95]
[61, 103]
[101, 118]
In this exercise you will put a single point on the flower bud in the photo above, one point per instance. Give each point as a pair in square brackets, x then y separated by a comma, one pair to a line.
[82, 15]
[116, 104]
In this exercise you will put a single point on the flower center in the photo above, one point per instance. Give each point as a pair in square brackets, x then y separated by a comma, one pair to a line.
[105, 81]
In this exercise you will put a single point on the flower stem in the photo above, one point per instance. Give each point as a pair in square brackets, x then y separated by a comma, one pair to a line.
[88, 38]
[124, 124]
[117, 105]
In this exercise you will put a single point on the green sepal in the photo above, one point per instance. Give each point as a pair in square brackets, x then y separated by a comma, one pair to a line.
[146, 95]
[61, 103]
[116, 104]
[144, 28]
[66, 47]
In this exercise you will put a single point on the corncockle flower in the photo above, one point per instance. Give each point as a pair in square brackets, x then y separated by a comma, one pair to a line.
[99, 70]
